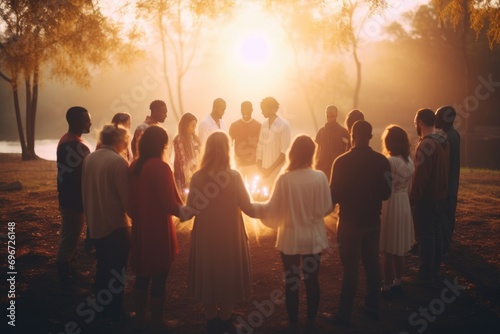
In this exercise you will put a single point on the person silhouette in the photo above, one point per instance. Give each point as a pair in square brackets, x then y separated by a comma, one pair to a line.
[71, 152]
[428, 194]
[212, 122]
[158, 114]
[104, 193]
[274, 140]
[332, 140]
[300, 200]
[360, 181]
[445, 117]
[245, 135]
[219, 261]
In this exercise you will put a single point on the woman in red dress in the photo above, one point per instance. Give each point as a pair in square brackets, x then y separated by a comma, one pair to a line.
[153, 199]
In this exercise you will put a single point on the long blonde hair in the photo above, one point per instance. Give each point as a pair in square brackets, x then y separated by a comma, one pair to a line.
[301, 154]
[216, 156]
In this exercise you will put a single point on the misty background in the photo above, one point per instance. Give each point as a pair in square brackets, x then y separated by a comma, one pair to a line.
[412, 63]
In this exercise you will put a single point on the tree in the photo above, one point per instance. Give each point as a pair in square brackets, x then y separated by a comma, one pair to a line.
[301, 30]
[180, 24]
[307, 24]
[343, 23]
[67, 39]
[475, 15]
[466, 16]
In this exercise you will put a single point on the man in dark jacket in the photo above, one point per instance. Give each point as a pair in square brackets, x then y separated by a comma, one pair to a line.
[332, 140]
[445, 116]
[428, 195]
[361, 180]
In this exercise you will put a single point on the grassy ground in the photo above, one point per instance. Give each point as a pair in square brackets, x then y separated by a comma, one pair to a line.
[41, 306]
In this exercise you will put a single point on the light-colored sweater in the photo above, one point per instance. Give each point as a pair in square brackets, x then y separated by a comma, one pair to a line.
[105, 191]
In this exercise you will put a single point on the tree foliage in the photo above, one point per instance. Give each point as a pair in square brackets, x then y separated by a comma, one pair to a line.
[465, 16]
[344, 23]
[482, 15]
[180, 24]
[321, 27]
[64, 39]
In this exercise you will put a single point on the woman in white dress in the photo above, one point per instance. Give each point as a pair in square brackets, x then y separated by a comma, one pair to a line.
[397, 234]
[300, 200]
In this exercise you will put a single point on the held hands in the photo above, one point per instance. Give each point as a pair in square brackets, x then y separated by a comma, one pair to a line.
[186, 213]
[265, 172]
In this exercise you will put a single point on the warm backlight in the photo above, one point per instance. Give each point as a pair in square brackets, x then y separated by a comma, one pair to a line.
[253, 49]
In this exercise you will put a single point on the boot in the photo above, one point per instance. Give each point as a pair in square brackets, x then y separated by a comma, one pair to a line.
[213, 326]
[63, 271]
[140, 304]
[68, 286]
[158, 325]
[311, 327]
[76, 274]
[227, 326]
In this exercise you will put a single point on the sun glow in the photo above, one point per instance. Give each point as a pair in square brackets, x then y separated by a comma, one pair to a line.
[253, 49]
[257, 55]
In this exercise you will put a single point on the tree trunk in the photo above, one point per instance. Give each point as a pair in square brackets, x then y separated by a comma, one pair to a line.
[30, 130]
[19, 121]
[354, 45]
[179, 94]
[466, 29]
[32, 113]
[165, 67]
[357, 87]
[303, 86]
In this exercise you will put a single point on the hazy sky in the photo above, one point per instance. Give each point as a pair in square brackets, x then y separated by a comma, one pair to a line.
[248, 59]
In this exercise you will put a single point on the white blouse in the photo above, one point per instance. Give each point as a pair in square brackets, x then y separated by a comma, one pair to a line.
[300, 201]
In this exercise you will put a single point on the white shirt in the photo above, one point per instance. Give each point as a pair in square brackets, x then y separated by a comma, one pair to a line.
[208, 126]
[300, 201]
[273, 141]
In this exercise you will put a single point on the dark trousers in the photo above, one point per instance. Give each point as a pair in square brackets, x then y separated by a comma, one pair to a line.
[355, 245]
[449, 223]
[112, 255]
[157, 283]
[429, 218]
[310, 271]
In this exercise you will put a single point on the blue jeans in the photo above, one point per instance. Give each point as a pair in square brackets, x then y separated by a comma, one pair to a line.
[355, 245]
[429, 219]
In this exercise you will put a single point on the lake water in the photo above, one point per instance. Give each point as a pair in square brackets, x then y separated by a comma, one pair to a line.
[483, 153]
[44, 148]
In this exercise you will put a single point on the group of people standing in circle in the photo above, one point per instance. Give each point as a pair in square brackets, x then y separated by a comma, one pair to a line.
[128, 194]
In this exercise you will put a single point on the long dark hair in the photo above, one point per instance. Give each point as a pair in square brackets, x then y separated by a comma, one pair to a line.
[120, 118]
[352, 117]
[152, 144]
[184, 122]
[395, 142]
